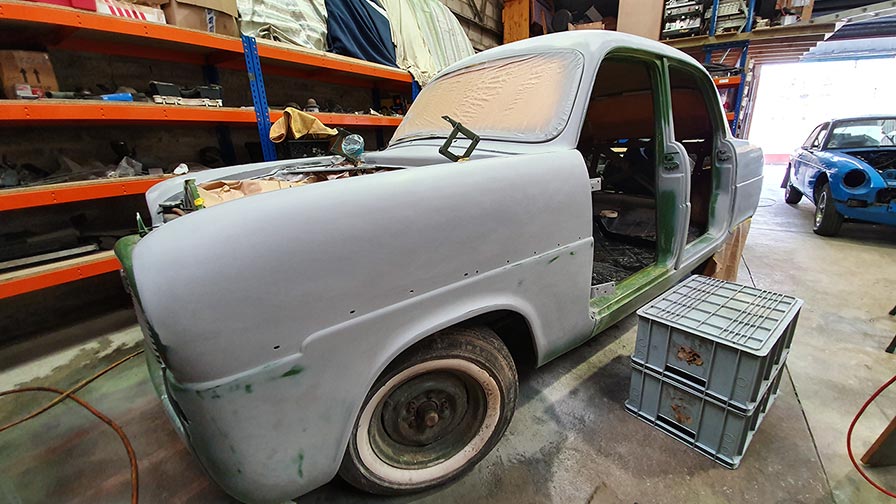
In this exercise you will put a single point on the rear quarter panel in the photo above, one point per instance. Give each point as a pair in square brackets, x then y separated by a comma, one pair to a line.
[748, 180]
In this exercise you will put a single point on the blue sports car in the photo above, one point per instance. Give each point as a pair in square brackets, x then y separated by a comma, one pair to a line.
[847, 167]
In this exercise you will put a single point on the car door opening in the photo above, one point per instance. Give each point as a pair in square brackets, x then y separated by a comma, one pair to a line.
[695, 131]
[619, 144]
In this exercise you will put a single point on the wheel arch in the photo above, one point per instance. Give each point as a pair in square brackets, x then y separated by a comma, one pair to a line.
[819, 181]
[514, 331]
[513, 328]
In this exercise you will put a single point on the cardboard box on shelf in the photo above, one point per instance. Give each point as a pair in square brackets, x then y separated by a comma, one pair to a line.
[78, 4]
[598, 25]
[130, 11]
[21, 70]
[215, 16]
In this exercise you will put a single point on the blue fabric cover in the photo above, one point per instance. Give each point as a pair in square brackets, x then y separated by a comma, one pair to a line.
[360, 29]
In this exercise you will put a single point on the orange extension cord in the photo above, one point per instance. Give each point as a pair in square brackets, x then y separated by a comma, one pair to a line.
[69, 394]
[849, 437]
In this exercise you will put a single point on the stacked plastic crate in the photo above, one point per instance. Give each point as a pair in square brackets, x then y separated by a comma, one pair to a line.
[708, 362]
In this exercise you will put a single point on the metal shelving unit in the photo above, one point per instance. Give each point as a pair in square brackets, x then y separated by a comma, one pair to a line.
[739, 45]
[40, 24]
[748, 46]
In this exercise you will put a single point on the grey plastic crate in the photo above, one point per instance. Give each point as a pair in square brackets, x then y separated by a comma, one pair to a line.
[695, 419]
[726, 338]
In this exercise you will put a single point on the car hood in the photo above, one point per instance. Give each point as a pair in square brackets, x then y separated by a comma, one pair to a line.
[843, 160]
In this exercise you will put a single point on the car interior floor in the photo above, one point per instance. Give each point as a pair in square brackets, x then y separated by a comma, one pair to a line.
[624, 239]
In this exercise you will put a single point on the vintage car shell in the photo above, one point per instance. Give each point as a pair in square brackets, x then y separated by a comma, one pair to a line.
[269, 318]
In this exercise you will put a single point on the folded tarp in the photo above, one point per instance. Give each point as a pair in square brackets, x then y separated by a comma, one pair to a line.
[299, 22]
[448, 42]
[360, 29]
[427, 37]
[411, 50]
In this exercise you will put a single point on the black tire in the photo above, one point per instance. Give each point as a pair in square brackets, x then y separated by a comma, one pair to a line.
[827, 219]
[463, 378]
[792, 195]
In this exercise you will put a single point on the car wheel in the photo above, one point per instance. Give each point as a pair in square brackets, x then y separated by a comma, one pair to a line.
[827, 219]
[433, 414]
[792, 195]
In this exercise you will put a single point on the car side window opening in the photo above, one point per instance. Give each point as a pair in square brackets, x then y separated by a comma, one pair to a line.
[816, 142]
[619, 143]
[808, 143]
[694, 130]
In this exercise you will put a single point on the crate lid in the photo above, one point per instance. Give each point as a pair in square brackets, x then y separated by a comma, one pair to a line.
[736, 315]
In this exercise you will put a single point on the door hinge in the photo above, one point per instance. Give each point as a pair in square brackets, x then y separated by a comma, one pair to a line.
[723, 155]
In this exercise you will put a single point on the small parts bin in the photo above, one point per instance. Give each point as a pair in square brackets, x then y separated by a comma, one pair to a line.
[719, 432]
[728, 339]
[708, 361]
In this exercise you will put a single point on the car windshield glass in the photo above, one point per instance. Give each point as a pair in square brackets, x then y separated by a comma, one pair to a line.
[863, 133]
[524, 98]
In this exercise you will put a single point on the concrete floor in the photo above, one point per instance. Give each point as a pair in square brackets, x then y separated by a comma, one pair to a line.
[571, 440]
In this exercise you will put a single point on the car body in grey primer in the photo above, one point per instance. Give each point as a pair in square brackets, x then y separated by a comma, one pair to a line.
[269, 318]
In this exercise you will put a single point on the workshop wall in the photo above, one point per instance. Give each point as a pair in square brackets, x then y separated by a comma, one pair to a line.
[484, 28]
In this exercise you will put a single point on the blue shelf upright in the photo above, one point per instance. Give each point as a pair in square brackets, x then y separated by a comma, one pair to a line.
[259, 97]
[743, 46]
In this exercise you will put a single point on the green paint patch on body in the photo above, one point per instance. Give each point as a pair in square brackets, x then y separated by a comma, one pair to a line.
[572, 252]
[124, 251]
[299, 460]
[554, 259]
[292, 371]
[248, 388]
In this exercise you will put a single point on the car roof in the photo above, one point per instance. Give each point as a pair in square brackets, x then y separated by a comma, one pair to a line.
[587, 42]
[863, 117]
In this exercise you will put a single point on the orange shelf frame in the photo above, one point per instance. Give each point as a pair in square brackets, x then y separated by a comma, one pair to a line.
[295, 54]
[80, 30]
[41, 277]
[79, 110]
[726, 82]
[46, 14]
[53, 194]
[61, 111]
[350, 119]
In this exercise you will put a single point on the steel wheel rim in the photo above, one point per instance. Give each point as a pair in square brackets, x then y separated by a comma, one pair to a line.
[371, 416]
[819, 208]
[427, 419]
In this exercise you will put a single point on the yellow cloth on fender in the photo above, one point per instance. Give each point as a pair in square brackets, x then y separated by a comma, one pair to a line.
[295, 124]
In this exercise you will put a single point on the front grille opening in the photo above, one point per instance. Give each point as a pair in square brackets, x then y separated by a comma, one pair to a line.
[886, 195]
